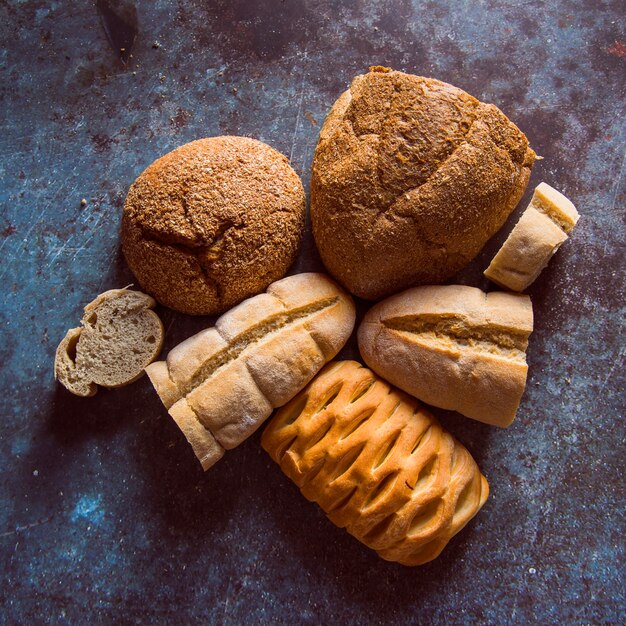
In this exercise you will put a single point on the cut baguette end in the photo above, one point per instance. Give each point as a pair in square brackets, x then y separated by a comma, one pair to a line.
[543, 227]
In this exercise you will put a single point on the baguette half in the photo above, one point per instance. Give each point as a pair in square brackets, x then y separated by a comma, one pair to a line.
[453, 347]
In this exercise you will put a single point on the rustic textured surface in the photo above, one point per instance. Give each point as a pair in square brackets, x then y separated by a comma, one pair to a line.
[411, 176]
[105, 514]
[212, 223]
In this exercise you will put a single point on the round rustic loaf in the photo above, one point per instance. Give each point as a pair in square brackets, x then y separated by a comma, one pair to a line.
[213, 223]
[411, 177]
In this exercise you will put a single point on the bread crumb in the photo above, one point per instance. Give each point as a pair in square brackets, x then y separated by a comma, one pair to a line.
[83, 202]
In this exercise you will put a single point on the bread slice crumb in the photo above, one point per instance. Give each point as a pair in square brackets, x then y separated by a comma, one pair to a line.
[119, 336]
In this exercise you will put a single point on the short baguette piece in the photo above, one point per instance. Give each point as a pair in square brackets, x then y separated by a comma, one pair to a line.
[453, 347]
[541, 230]
[378, 464]
[119, 335]
[222, 383]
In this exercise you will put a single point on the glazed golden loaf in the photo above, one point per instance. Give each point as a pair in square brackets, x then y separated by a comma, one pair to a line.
[454, 347]
[544, 226]
[411, 176]
[222, 383]
[377, 463]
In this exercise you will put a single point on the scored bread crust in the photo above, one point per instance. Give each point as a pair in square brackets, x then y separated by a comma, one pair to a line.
[222, 383]
[453, 347]
[411, 176]
[212, 223]
[119, 335]
[377, 463]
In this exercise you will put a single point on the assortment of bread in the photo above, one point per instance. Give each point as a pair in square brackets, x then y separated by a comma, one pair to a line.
[377, 462]
[411, 177]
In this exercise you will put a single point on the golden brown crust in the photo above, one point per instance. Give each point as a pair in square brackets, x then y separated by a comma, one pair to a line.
[222, 383]
[377, 463]
[454, 347]
[212, 223]
[410, 178]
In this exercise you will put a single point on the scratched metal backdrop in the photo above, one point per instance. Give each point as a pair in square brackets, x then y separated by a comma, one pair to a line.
[105, 515]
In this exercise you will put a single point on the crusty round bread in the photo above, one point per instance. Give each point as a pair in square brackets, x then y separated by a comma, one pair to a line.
[411, 177]
[212, 223]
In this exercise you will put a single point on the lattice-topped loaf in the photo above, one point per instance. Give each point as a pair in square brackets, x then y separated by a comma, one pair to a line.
[377, 463]
[222, 383]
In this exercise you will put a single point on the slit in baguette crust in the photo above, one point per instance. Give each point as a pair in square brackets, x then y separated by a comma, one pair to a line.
[508, 343]
[247, 339]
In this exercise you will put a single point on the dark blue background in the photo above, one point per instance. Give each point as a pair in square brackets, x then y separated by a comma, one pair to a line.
[105, 515]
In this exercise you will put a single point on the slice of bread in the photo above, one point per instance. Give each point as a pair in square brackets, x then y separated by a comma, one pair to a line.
[119, 336]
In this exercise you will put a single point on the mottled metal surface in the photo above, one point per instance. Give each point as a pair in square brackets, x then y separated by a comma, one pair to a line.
[105, 515]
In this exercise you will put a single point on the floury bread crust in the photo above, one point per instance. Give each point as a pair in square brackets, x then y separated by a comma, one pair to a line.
[119, 335]
[222, 383]
[212, 223]
[378, 463]
[411, 176]
[544, 226]
[454, 347]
